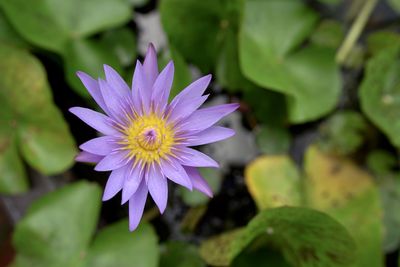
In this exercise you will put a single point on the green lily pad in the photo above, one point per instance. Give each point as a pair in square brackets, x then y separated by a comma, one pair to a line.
[270, 56]
[273, 181]
[29, 118]
[51, 24]
[196, 28]
[273, 140]
[381, 162]
[122, 42]
[8, 34]
[116, 246]
[180, 254]
[329, 33]
[58, 227]
[335, 185]
[381, 40]
[305, 237]
[88, 56]
[395, 4]
[343, 133]
[380, 92]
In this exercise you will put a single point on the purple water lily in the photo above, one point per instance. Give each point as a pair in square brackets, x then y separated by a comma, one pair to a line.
[146, 140]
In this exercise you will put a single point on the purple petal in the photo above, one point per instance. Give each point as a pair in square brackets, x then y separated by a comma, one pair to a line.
[206, 117]
[118, 85]
[96, 120]
[114, 183]
[158, 188]
[136, 206]
[93, 88]
[198, 182]
[114, 103]
[162, 87]
[113, 161]
[175, 172]
[150, 66]
[183, 111]
[100, 146]
[137, 86]
[195, 89]
[210, 135]
[132, 181]
[84, 156]
[194, 158]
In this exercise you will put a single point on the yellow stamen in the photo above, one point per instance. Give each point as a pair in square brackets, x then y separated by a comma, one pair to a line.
[148, 138]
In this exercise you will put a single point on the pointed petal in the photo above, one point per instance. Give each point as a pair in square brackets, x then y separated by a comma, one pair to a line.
[198, 182]
[162, 87]
[114, 103]
[132, 182]
[137, 85]
[158, 188]
[116, 82]
[210, 135]
[93, 88]
[84, 156]
[206, 117]
[136, 205]
[194, 158]
[150, 66]
[114, 183]
[175, 172]
[112, 161]
[182, 111]
[195, 89]
[96, 120]
[100, 146]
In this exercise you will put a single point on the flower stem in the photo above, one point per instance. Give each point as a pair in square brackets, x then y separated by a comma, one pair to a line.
[355, 31]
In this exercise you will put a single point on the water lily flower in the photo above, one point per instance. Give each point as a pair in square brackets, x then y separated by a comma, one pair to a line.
[146, 141]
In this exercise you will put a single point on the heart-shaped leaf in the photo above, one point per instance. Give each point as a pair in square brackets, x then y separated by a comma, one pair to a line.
[270, 56]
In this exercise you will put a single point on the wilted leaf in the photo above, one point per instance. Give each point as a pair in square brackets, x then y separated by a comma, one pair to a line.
[305, 237]
[28, 112]
[344, 191]
[58, 227]
[268, 56]
[273, 181]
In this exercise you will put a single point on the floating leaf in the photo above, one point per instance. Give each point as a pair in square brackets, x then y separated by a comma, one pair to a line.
[329, 33]
[51, 24]
[273, 181]
[380, 92]
[29, 115]
[8, 34]
[58, 227]
[309, 77]
[395, 4]
[87, 56]
[180, 254]
[305, 237]
[338, 187]
[273, 140]
[122, 42]
[343, 133]
[186, 21]
[116, 246]
[381, 162]
[381, 40]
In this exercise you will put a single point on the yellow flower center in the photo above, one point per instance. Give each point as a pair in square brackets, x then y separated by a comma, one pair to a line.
[148, 138]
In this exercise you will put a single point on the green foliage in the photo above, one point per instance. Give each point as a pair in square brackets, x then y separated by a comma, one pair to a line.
[273, 140]
[380, 92]
[343, 133]
[180, 254]
[29, 121]
[58, 229]
[305, 238]
[52, 24]
[269, 56]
